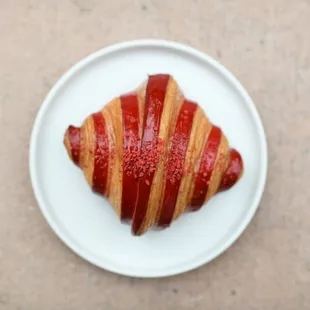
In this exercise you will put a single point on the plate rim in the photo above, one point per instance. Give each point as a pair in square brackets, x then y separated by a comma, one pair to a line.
[159, 44]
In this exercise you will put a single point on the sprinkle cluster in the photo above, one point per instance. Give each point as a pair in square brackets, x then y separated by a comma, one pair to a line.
[140, 163]
[176, 157]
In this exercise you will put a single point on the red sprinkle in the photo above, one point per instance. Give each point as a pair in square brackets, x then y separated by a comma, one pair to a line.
[152, 147]
[176, 158]
[131, 151]
[206, 167]
[101, 156]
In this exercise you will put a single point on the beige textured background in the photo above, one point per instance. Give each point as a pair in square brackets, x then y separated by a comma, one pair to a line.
[266, 44]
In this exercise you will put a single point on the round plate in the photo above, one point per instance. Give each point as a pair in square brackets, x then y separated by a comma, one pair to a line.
[84, 221]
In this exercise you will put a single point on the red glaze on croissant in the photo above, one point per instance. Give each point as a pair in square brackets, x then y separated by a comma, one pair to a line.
[153, 154]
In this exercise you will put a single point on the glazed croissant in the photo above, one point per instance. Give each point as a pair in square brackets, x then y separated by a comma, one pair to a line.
[153, 154]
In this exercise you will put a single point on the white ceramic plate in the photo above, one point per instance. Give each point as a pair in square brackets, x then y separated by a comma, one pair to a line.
[85, 222]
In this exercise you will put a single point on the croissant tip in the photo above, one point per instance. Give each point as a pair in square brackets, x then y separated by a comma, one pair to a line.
[137, 231]
[161, 74]
[72, 143]
[66, 142]
[233, 172]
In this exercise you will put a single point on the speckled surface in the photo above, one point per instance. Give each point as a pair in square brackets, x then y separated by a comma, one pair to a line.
[266, 44]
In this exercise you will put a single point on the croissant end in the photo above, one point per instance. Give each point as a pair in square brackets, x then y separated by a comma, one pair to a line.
[72, 143]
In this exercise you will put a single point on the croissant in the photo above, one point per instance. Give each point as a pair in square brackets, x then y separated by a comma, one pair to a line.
[154, 154]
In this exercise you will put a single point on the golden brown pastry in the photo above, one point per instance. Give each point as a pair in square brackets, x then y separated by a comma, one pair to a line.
[153, 154]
